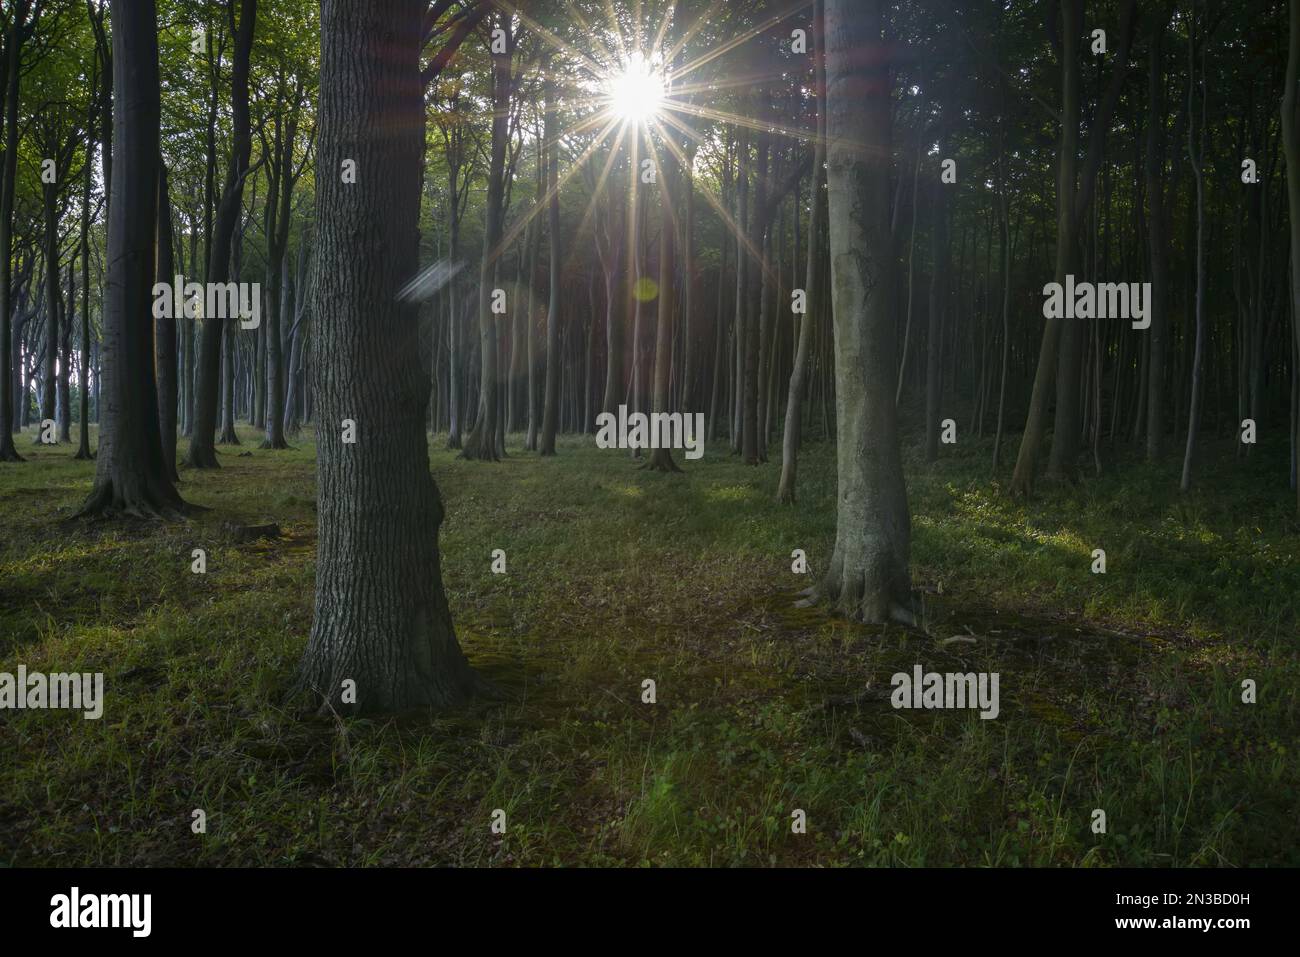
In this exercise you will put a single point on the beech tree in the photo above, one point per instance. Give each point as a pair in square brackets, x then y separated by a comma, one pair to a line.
[867, 577]
[202, 452]
[382, 638]
[131, 477]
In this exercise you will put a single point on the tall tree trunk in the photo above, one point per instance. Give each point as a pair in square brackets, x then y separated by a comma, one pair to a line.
[551, 136]
[382, 626]
[661, 459]
[481, 443]
[130, 474]
[757, 281]
[1031, 442]
[938, 306]
[1196, 157]
[83, 373]
[867, 577]
[1158, 244]
[1291, 147]
[812, 277]
[53, 306]
[165, 333]
[202, 452]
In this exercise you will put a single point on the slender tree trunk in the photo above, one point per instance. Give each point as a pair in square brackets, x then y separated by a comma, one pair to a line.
[165, 333]
[17, 19]
[481, 443]
[53, 302]
[1158, 243]
[1031, 442]
[938, 306]
[812, 278]
[202, 452]
[83, 380]
[1196, 157]
[661, 459]
[1291, 147]
[550, 410]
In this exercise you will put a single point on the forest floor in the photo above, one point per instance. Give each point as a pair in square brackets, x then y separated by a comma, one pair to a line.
[1119, 691]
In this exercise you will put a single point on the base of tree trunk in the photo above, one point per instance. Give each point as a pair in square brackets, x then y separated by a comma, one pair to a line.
[280, 444]
[84, 455]
[452, 685]
[202, 457]
[453, 440]
[661, 460]
[862, 594]
[480, 447]
[136, 499]
[228, 437]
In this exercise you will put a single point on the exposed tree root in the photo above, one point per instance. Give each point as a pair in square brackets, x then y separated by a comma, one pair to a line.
[853, 604]
[147, 501]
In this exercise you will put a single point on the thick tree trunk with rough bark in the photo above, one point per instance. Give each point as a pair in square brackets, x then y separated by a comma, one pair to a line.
[382, 627]
[867, 577]
[130, 475]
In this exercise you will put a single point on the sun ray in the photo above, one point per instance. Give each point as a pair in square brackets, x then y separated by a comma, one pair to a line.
[743, 37]
[725, 216]
[597, 70]
[689, 33]
[518, 226]
[724, 117]
[598, 187]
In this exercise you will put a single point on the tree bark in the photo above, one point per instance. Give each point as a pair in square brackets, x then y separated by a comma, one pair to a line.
[165, 333]
[868, 576]
[812, 278]
[381, 616]
[202, 452]
[481, 443]
[130, 475]
[550, 406]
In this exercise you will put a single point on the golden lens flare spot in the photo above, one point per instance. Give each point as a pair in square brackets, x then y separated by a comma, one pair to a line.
[645, 289]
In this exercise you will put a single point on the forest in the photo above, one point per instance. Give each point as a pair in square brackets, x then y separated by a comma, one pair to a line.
[683, 433]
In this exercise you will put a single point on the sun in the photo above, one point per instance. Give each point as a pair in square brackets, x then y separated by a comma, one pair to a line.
[637, 93]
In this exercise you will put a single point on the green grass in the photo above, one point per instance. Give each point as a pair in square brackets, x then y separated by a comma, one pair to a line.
[1118, 691]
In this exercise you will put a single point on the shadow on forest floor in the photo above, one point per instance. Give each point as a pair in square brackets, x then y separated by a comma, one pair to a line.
[1119, 691]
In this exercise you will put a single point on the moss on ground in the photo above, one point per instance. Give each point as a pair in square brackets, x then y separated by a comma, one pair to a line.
[1118, 691]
